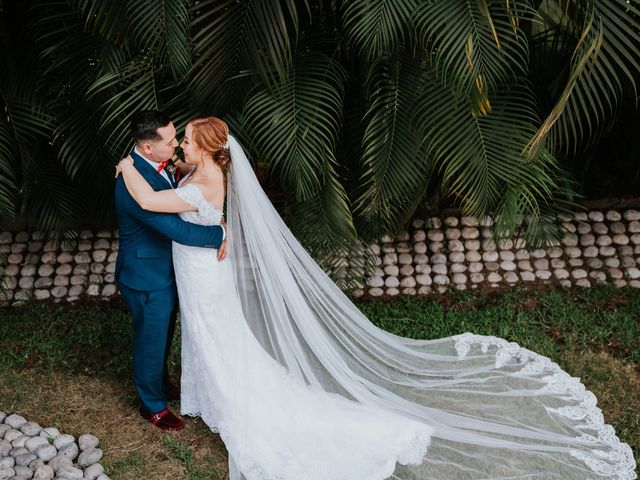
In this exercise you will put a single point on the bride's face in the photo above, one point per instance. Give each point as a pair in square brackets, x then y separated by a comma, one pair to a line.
[190, 150]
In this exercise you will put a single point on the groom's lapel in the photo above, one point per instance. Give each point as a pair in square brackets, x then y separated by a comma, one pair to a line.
[156, 180]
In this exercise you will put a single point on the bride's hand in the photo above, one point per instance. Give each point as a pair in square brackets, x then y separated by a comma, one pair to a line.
[128, 160]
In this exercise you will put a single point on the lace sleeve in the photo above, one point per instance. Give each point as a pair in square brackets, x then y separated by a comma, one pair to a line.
[191, 195]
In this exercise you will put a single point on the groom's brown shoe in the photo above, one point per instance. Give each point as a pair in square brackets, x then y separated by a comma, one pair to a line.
[163, 419]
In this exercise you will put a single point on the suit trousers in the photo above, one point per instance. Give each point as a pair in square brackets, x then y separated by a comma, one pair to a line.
[154, 319]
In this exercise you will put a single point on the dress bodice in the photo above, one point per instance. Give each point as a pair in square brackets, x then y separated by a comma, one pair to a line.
[206, 214]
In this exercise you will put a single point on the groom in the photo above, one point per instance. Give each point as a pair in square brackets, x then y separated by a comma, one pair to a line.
[144, 267]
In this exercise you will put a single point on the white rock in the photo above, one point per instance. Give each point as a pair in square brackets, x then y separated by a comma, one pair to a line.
[441, 280]
[35, 442]
[91, 455]
[634, 227]
[587, 239]
[451, 221]
[583, 228]
[583, 282]
[439, 268]
[435, 222]
[541, 264]
[527, 276]
[494, 277]
[391, 270]
[543, 274]
[595, 263]
[457, 257]
[419, 236]
[507, 266]
[469, 233]
[405, 259]
[633, 273]
[457, 268]
[607, 251]
[573, 252]
[436, 246]
[620, 239]
[472, 244]
[473, 256]
[70, 472]
[424, 279]
[476, 277]
[613, 216]
[423, 268]
[376, 292]
[600, 228]
[511, 277]
[390, 259]
[93, 472]
[375, 282]
[392, 282]
[456, 246]
[60, 461]
[44, 472]
[408, 282]
[596, 216]
[15, 421]
[418, 223]
[475, 267]
[438, 258]
[560, 273]
[578, 273]
[392, 291]
[490, 256]
[406, 270]
[46, 452]
[570, 240]
[539, 253]
[452, 234]
[469, 221]
[420, 259]
[63, 440]
[630, 215]
[591, 252]
[435, 235]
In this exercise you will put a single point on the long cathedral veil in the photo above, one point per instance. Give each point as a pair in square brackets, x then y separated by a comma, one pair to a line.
[499, 411]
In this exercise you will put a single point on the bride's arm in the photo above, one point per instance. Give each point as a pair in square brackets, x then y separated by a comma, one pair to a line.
[164, 201]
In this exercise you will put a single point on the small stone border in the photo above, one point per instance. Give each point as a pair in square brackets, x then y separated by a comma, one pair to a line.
[29, 451]
[434, 254]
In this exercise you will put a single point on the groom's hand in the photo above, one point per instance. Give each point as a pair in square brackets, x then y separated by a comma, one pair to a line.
[222, 251]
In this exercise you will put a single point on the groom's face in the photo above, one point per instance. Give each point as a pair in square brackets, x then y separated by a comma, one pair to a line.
[163, 149]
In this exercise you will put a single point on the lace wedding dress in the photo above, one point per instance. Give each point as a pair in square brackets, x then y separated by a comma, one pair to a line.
[302, 386]
[274, 426]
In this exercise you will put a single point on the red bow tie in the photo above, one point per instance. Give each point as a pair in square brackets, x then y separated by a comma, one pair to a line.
[164, 165]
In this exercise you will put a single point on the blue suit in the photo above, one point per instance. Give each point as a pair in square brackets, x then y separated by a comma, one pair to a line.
[145, 277]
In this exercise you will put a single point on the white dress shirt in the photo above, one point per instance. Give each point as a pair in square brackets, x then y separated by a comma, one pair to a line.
[155, 166]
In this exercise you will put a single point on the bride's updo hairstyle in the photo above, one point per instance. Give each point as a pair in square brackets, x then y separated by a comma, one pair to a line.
[211, 135]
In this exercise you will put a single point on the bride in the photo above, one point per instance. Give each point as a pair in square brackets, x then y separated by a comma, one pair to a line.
[301, 386]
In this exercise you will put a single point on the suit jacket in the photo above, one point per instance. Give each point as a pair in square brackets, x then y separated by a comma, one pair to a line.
[144, 256]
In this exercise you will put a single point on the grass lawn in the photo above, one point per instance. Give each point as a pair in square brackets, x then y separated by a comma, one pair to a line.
[70, 366]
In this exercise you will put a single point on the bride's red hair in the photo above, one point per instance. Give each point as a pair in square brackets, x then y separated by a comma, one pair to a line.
[211, 134]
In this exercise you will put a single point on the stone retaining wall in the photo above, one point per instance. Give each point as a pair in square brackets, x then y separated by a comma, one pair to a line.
[599, 247]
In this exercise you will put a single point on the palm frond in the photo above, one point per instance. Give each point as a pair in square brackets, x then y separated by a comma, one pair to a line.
[395, 168]
[476, 46]
[235, 39]
[295, 125]
[605, 63]
[161, 29]
[378, 28]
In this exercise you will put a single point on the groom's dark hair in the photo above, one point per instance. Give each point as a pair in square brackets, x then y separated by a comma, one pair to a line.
[145, 124]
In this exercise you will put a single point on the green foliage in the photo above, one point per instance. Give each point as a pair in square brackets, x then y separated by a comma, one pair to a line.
[354, 108]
